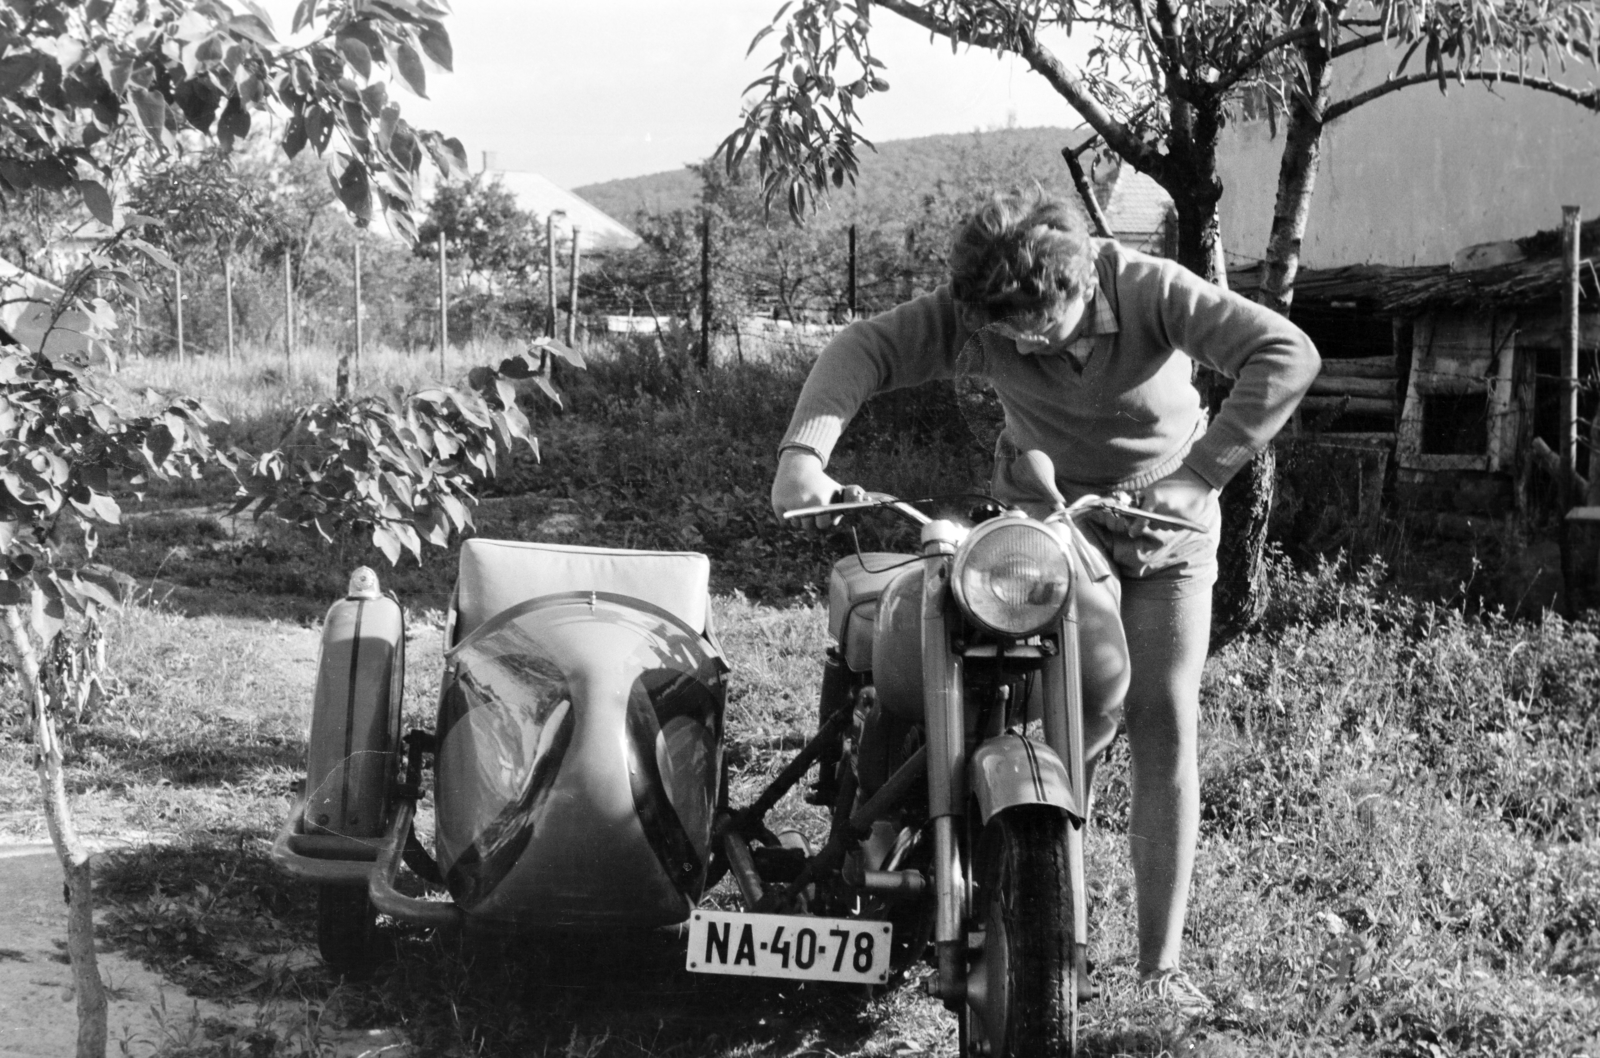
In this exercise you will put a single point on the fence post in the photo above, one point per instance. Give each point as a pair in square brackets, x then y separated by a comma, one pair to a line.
[705, 293]
[444, 305]
[358, 301]
[851, 290]
[550, 273]
[1576, 564]
[177, 307]
[572, 294]
[288, 313]
[227, 296]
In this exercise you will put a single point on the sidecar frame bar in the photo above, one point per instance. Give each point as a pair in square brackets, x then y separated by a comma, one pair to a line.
[831, 855]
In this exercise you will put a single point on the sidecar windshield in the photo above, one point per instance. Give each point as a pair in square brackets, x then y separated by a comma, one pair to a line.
[568, 717]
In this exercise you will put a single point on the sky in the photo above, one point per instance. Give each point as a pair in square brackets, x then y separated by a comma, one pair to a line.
[589, 90]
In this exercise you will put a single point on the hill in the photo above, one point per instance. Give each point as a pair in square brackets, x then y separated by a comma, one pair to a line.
[898, 168]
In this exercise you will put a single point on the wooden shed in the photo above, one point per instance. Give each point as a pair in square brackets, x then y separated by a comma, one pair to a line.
[1451, 373]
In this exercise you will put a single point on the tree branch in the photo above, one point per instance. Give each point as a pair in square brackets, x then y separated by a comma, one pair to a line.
[1066, 84]
[1590, 99]
[1243, 69]
[1080, 180]
[1357, 43]
[921, 16]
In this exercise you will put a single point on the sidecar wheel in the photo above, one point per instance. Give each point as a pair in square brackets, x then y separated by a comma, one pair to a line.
[1022, 999]
[346, 922]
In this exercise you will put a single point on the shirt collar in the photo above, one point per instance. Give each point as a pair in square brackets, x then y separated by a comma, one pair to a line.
[1100, 319]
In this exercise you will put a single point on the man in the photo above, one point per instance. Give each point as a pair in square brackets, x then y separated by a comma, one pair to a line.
[1090, 349]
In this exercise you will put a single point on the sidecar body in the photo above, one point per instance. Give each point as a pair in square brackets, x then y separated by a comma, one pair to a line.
[577, 751]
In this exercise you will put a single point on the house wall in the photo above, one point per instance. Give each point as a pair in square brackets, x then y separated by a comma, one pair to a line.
[1415, 176]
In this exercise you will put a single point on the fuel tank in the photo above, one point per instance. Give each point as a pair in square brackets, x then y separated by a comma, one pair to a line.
[355, 717]
[580, 750]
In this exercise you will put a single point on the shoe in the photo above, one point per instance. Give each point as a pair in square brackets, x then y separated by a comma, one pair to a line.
[1174, 989]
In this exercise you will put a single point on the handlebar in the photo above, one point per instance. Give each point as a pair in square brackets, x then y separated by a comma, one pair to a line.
[1113, 504]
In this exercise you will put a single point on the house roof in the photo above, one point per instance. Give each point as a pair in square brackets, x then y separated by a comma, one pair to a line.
[1138, 209]
[597, 230]
[1534, 277]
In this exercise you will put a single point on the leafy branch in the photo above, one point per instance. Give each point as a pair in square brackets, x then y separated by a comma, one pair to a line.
[403, 469]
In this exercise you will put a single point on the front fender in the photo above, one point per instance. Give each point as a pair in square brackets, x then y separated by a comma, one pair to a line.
[1010, 770]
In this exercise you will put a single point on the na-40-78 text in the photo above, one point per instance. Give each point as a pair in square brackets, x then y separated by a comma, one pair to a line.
[812, 949]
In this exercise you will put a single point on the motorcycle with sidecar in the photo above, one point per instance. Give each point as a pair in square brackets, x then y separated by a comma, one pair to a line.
[580, 780]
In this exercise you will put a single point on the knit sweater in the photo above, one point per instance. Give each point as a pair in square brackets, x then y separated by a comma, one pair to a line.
[1126, 417]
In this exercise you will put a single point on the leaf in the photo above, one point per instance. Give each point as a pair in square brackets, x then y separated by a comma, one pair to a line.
[98, 201]
[17, 70]
[357, 54]
[571, 356]
[355, 192]
[409, 63]
[294, 138]
[303, 14]
[116, 66]
[387, 542]
[49, 615]
[253, 28]
[436, 43]
[234, 124]
[152, 110]
[92, 591]
[154, 253]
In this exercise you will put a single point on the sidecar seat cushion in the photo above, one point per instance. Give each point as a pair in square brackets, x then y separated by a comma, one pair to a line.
[498, 574]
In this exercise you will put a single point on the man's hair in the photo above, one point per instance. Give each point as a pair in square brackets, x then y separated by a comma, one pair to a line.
[1020, 255]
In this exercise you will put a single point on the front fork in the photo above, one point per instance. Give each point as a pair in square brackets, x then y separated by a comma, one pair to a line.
[1063, 732]
[945, 718]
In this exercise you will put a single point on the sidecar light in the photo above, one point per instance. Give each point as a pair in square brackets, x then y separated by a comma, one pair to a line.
[1011, 576]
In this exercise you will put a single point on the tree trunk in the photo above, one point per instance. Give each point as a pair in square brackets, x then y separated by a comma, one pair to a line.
[1242, 591]
[1241, 594]
[1297, 178]
[64, 836]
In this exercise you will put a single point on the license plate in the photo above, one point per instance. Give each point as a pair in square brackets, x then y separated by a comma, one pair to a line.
[812, 949]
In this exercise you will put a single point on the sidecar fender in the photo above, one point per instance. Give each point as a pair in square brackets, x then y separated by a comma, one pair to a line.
[1010, 770]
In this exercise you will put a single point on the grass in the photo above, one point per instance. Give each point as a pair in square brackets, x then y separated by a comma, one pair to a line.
[1398, 856]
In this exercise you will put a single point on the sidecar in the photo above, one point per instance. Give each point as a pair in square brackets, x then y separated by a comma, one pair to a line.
[577, 750]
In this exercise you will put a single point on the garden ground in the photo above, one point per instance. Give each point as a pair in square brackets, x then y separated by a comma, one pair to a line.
[1400, 850]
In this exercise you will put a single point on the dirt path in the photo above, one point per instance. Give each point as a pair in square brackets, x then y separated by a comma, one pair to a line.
[148, 1015]
[36, 984]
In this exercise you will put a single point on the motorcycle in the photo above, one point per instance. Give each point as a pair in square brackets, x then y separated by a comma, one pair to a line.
[951, 750]
[580, 780]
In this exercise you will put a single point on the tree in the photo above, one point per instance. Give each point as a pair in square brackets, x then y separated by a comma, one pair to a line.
[88, 86]
[498, 246]
[1162, 79]
[91, 85]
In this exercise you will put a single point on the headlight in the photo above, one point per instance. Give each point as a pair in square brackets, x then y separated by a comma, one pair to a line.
[1011, 576]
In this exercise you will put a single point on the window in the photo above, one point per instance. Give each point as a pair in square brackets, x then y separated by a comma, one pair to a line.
[1455, 424]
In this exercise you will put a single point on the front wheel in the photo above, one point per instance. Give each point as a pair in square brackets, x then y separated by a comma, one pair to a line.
[1022, 999]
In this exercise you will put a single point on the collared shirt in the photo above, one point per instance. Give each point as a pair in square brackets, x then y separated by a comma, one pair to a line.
[1102, 319]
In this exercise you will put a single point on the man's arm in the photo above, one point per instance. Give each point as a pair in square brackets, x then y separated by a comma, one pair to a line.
[910, 344]
[1271, 361]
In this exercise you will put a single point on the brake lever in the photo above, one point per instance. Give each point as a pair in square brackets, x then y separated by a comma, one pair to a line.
[1132, 513]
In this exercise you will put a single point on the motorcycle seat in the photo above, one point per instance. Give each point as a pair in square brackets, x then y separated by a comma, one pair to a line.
[495, 575]
[853, 590]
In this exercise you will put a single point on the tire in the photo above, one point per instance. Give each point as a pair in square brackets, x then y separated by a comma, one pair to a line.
[1025, 1000]
[346, 922]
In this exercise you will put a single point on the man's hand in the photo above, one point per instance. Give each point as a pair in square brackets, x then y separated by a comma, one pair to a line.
[802, 482]
[1183, 493]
